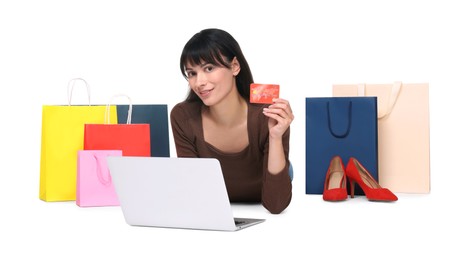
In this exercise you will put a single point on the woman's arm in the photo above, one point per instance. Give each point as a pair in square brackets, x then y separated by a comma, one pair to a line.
[280, 117]
[277, 186]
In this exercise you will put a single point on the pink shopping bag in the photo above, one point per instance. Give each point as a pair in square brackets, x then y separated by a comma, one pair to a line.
[94, 183]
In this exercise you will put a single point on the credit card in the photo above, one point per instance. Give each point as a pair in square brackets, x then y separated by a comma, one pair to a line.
[263, 93]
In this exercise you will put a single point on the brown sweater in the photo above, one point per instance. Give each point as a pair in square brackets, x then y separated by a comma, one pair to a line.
[245, 173]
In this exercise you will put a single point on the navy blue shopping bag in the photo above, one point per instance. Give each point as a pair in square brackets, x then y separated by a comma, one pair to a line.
[344, 126]
[156, 115]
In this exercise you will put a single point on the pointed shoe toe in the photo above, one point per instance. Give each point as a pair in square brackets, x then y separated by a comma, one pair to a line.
[337, 194]
[357, 173]
[381, 194]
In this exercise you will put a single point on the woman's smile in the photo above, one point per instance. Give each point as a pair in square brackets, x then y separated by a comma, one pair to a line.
[205, 93]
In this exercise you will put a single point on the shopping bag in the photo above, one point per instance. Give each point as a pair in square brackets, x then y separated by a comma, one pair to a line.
[62, 135]
[403, 133]
[343, 126]
[156, 116]
[94, 183]
[131, 139]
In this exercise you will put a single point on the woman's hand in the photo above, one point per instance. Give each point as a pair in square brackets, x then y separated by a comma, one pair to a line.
[280, 117]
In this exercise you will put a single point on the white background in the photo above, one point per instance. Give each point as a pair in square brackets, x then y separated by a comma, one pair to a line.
[133, 47]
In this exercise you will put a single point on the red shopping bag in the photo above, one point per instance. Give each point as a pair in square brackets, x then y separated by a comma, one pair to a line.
[131, 139]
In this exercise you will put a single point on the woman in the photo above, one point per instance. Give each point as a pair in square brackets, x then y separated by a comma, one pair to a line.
[216, 120]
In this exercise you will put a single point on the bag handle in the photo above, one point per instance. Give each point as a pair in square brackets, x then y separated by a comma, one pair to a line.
[395, 91]
[100, 170]
[347, 131]
[70, 88]
[107, 114]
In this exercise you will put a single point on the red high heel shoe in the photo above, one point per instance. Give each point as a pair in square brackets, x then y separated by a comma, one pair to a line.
[335, 181]
[357, 173]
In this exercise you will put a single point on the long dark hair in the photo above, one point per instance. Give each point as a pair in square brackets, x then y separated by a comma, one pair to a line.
[217, 47]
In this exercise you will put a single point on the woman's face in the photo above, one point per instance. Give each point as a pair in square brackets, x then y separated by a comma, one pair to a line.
[212, 83]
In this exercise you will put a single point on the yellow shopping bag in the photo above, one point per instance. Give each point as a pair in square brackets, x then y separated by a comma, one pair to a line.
[62, 137]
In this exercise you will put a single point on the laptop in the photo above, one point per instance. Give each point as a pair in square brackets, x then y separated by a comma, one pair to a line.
[173, 192]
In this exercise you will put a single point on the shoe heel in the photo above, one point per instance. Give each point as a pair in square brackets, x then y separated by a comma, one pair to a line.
[352, 188]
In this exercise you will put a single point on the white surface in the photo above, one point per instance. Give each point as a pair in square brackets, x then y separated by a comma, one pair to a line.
[133, 47]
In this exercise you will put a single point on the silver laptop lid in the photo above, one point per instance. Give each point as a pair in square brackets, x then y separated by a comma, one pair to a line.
[172, 192]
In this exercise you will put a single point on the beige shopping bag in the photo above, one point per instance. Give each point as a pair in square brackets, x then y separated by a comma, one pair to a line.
[403, 133]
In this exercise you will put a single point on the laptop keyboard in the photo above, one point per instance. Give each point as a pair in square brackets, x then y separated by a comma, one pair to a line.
[237, 222]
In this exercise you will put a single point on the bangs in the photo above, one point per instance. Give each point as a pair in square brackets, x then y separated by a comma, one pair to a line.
[202, 52]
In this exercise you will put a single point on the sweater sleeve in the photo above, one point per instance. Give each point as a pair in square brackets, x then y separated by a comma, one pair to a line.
[277, 189]
[182, 132]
